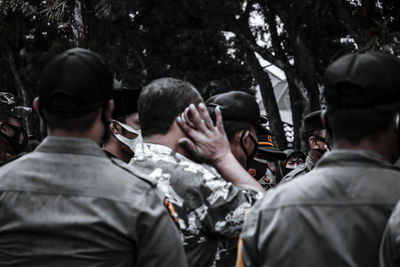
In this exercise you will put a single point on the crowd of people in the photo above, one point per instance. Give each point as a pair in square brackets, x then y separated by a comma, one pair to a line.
[160, 177]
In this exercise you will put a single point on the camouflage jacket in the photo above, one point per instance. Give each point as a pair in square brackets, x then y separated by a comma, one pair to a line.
[208, 210]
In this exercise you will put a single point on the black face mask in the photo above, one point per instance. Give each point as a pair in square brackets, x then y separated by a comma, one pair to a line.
[323, 140]
[250, 156]
[106, 124]
[257, 168]
[19, 140]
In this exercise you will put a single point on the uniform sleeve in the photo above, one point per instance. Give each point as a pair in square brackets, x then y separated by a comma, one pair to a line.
[247, 251]
[390, 246]
[159, 240]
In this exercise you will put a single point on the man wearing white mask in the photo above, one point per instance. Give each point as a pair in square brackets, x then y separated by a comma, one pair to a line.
[124, 128]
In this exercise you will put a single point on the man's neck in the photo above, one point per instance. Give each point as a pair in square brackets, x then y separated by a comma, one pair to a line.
[170, 139]
[382, 148]
[116, 151]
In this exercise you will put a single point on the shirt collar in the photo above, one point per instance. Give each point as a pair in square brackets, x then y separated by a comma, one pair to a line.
[145, 150]
[350, 156]
[70, 145]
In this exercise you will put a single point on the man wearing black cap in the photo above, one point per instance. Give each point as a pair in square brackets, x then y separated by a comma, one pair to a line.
[13, 138]
[124, 126]
[265, 167]
[336, 214]
[66, 203]
[293, 159]
[241, 118]
[208, 205]
[314, 135]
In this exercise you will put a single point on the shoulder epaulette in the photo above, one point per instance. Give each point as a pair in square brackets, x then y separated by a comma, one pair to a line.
[139, 174]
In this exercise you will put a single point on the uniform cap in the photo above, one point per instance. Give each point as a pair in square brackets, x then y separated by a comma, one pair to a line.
[313, 122]
[237, 106]
[266, 146]
[125, 102]
[74, 83]
[8, 106]
[362, 80]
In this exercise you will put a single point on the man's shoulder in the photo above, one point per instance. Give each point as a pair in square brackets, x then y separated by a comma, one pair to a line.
[300, 170]
[86, 176]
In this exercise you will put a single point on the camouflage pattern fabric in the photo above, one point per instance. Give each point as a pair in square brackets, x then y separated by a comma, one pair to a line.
[208, 210]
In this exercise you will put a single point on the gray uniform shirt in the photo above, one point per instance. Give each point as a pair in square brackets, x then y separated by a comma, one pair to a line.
[67, 204]
[332, 216]
[299, 171]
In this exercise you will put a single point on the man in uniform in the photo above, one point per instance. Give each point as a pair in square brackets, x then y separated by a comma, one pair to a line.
[293, 159]
[314, 134]
[242, 122]
[13, 138]
[207, 205]
[124, 126]
[66, 203]
[336, 214]
[267, 156]
[390, 247]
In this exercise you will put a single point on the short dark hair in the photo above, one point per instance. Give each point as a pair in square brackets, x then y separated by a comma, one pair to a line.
[233, 127]
[161, 101]
[307, 134]
[81, 123]
[354, 125]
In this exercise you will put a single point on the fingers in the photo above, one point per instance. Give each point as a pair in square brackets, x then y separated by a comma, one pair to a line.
[196, 119]
[188, 144]
[186, 119]
[205, 116]
[218, 120]
[191, 148]
[190, 131]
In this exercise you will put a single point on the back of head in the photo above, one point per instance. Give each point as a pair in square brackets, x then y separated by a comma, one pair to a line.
[312, 125]
[161, 101]
[239, 111]
[125, 103]
[362, 95]
[72, 89]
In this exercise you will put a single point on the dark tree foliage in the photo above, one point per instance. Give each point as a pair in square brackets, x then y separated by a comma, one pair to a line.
[209, 43]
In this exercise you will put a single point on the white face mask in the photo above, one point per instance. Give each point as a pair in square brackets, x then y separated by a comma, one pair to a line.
[131, 143]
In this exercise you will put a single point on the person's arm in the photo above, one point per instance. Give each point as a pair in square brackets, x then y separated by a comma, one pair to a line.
[159, 242]
[210, 143]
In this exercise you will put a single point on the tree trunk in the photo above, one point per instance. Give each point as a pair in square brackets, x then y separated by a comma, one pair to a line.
[78, 28]
[297, 107]
[268, 97]
[21, 92]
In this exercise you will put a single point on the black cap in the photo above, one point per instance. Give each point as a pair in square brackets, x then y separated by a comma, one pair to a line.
[74, 83]
[294, 153]
[266, 146]
[313, 122]
[237, 106]
[9, 107]
[362, 80]
[125, 102]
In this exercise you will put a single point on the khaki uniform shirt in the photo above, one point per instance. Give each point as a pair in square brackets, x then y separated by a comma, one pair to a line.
[67, 204]
[332, 216]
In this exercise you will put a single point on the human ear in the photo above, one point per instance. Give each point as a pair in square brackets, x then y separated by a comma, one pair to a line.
[115, 127]
[313, 142]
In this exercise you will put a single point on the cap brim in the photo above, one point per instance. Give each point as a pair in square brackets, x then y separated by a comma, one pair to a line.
[20, 111]
[276, 153]
[260, 129]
